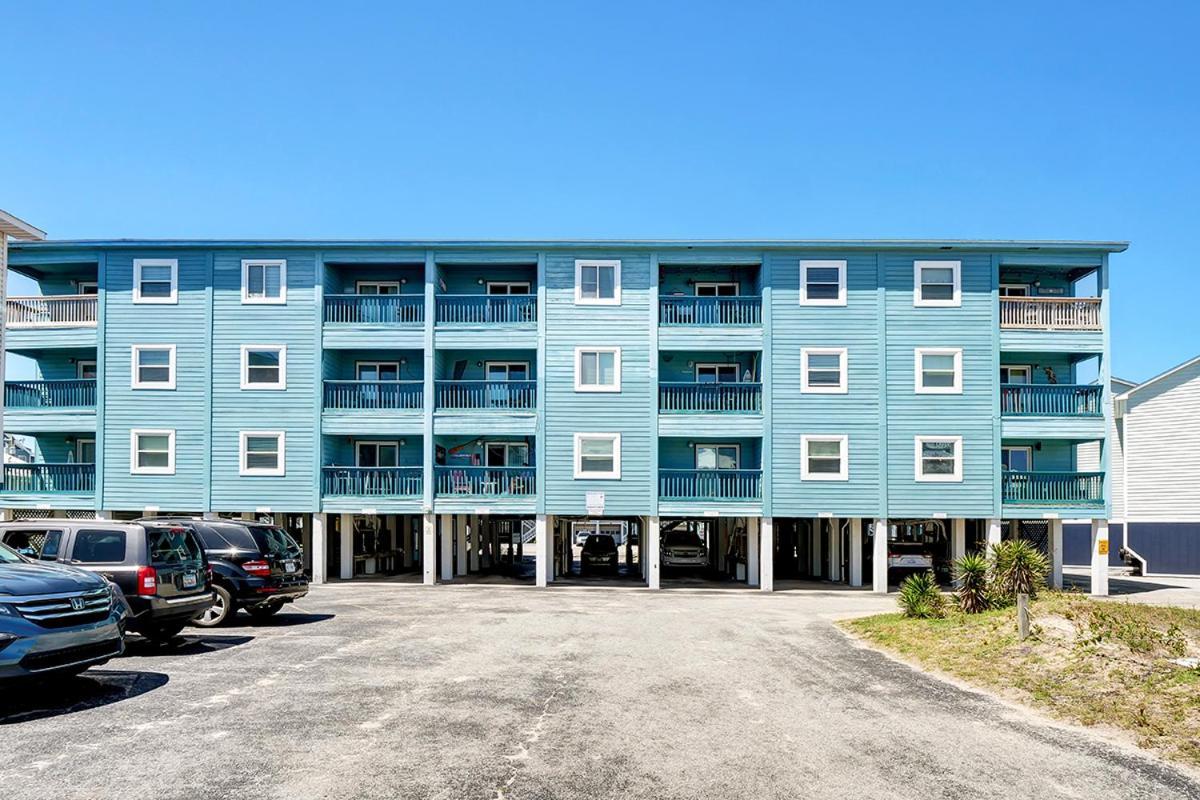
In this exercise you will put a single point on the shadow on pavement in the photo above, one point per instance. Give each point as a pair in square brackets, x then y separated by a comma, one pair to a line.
[281, 620]
[1116, 585]
[183, 645]
[54, 697]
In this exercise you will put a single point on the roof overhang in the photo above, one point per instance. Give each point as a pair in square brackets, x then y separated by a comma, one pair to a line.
[19, 229]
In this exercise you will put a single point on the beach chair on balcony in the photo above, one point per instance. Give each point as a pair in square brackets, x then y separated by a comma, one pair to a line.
[459, 482]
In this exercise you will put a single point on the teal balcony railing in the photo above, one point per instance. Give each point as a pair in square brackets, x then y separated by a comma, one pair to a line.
[486, 309]
[732, 311]
[49, 478]
[486, 395]
[1051, 400]
[1053, 488]
[710, 398]
[710, 484]
[375, 309]
[371, 481]
[374, 395]
[485, 481]
[75, 393]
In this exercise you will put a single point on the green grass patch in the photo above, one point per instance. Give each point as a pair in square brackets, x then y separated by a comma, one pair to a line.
[1087, 661]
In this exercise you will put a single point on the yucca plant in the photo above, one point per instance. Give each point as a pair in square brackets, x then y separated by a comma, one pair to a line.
[1017, 567]
[920, 596]
[971, 572]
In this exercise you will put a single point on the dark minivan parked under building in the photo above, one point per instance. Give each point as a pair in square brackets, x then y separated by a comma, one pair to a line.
[160, 568]
[256, 566]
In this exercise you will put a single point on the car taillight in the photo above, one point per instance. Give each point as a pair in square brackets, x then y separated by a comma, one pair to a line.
[147, 581]
[257, 567]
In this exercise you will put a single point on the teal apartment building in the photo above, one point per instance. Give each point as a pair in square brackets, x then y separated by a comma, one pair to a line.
[809, 409]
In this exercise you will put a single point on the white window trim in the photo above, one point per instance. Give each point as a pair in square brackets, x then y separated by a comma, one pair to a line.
[79, 443]
[358, 285]
[715, 446]
[79, 367]
[616, 471]
[135, 381]
[273, 387]
[843, 386]
[173, 263]
[956, 477]
[1028, 451]
[378, 365]
[81, 285]
[580, 300]
[718, 366]
[1010, 367]
[605, 387]
[376, 444]
[264, 262]
[527, 284]
[506, 443]
[841, 475]
[134, 469]
[918, 370]
[1028, 289]
[508, 365]
[737, 287]
[244, 469]
[920, 266]
[805, 266]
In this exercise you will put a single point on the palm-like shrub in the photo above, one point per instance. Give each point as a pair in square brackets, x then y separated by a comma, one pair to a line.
[1017, 567]
[971, 572]
[921, 597]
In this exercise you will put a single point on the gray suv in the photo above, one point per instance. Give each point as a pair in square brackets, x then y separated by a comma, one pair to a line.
[55, 619]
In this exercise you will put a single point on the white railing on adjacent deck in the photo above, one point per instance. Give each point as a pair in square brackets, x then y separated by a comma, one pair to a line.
[1051, 313]
[51, 311]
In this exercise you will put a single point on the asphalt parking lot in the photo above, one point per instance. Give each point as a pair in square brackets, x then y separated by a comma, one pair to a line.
[400, 691]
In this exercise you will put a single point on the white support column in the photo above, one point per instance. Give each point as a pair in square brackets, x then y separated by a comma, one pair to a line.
[428, 549]
[205, 515]
[856, 552]
[818, 538]
[652, 568]
[460, 525]
[104, 515]
[346, 538]
[1056, 553]
[1100, 558]
[473, 555]
[319, 548]
[879, 555]
[752, 562]
[766, 559]
[544, 549]
[6, 514]
[835, 550]
[958, 539]
[447, 560]
[994, 533]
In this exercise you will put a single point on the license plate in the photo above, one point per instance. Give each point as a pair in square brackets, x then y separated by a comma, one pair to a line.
[189, 580]
[290, 566]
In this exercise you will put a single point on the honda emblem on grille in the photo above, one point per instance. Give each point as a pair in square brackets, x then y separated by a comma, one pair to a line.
[77, 603]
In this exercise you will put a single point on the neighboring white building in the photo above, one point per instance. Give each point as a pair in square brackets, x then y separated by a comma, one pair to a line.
[1155, 471]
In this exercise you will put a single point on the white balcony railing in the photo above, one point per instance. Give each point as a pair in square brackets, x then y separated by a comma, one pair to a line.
[1051, 313]
[52, 311]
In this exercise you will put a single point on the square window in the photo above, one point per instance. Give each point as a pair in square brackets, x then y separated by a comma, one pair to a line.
[153, 366]
[824, 458]
[823, 370]
[939, 458]
[938, 370]
[152, 452]
[598, 283]
[264, 282]
[597, 455]
[155, 280]
[937, 283]
[597, 369]
[262, 453]
[822, 283]
[264, 366]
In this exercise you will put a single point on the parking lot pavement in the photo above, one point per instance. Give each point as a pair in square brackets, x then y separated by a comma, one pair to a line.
[1156, 589]
[399, 691]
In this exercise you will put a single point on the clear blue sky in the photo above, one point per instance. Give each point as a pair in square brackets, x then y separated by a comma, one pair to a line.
[351, 119]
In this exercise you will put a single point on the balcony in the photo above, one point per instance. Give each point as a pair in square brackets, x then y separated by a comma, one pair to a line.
[1050, 313]
[1053, 489]
[727, 311]
[374, 396]
[375, 309]
[486, 309]
[743, 485]
[52, 311]
[49, 479]
[710, 398]
[48, 395]
[486, 395]
[485, 482]
[1051, 400]
[372, 481]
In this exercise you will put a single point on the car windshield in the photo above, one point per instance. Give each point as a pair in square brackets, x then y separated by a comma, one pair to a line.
[599, 542]
[275, 541]
[173, 546]
[7, 556]
[236, 536]
[681, 539]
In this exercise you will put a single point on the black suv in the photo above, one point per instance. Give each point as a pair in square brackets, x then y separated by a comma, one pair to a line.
[599, 550]
[160, 567]
[256, 566]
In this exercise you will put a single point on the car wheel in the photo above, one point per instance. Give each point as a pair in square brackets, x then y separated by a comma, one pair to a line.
[160, 634]
[264, 611]
[222, 609]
